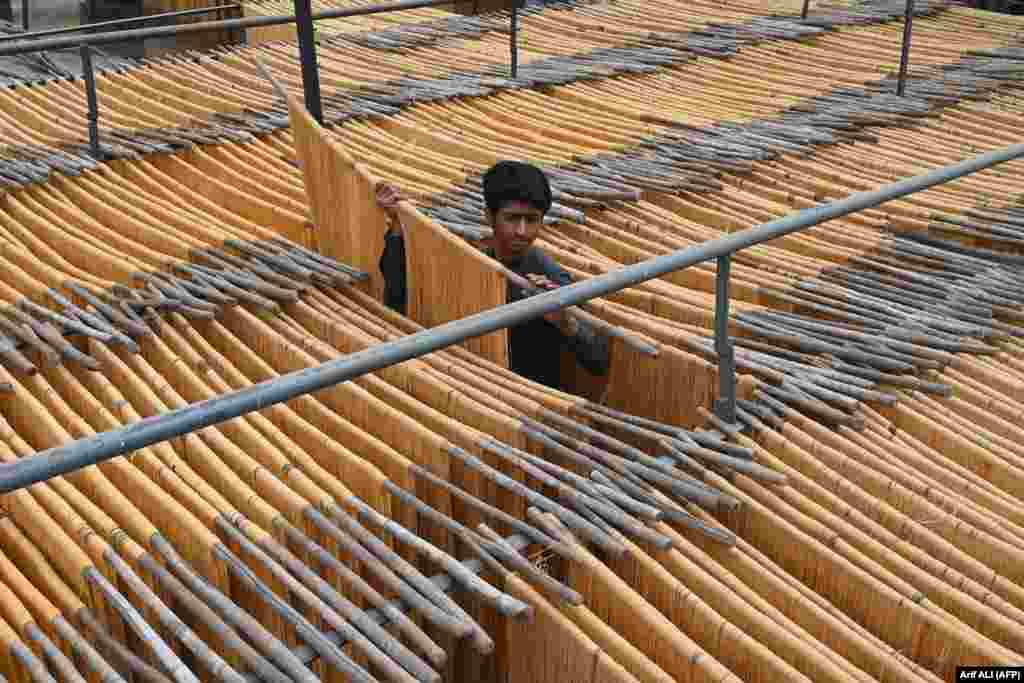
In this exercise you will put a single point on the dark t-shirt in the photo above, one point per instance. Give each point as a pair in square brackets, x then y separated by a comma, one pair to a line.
[534, 345]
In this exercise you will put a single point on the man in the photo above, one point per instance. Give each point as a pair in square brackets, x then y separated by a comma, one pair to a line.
[517, 196]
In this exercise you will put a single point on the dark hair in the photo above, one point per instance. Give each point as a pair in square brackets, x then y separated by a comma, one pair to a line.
[510, 181]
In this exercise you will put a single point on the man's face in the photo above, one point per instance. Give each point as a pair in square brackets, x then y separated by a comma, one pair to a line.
[516, 225]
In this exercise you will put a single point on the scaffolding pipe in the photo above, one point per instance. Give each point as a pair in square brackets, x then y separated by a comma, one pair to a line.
[908, 23]
[513, 41]
[307, 58]
[101, 447]
[725, 405]
[113, 23]
[17, 47]
[90, 96]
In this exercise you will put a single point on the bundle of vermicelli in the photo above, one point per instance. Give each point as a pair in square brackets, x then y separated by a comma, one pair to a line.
[555, 29]
[935, 659]
[442, 268]
[429, 16]
[214, 493]
[220, 476]
[863, 526]
[221, 98]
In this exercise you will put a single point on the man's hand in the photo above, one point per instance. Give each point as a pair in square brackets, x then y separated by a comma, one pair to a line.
[566, 323]
[388, 197]
[541, 282]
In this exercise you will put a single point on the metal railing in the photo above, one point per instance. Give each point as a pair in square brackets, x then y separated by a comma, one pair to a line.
[908, 21]
[114, 23]
[95, 449]
[219, 25]
[303, 18]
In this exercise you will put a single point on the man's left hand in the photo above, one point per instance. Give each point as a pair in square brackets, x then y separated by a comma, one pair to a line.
[566, 323]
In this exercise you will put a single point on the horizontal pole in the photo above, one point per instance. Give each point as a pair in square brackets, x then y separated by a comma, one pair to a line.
[149, 18]
[17, 47]
[95, 449]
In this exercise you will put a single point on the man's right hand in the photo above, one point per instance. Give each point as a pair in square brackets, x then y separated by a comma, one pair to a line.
[388, 197]
[541, 282]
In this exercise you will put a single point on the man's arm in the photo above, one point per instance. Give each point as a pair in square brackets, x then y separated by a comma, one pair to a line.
[546, 266]
[590, 347]
[392, 267]
[392, 260]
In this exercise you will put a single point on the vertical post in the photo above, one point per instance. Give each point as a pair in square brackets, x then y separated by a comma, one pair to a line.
[725, 406]
[513, 46]
[307, 56]
[243, 38]
[905, 53]
[24, 14]
[803, 12]
[90, 94]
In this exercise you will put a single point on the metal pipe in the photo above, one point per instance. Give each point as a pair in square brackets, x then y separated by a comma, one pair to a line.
[90, 95]
[307, 58]
[112, 23]
[513, 46]
[21, 47]
[725, 406]
[95, 449]
[908, 22]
